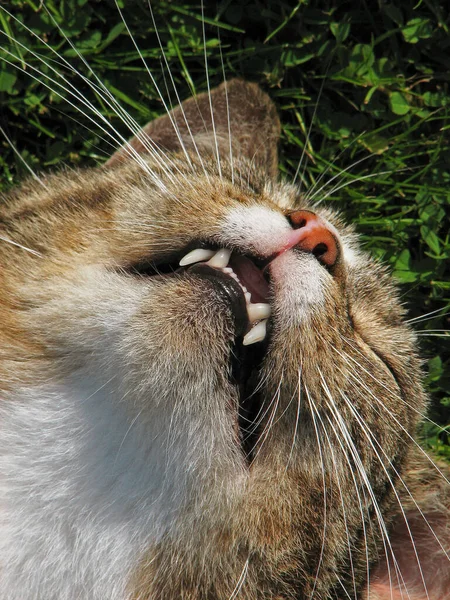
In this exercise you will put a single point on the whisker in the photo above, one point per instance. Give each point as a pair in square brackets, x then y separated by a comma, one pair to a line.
[241, 581]
[153, 80]
[358, 462]
[308, 135]
[369, 436]
[310, 195]
[209, 89]
[297, 417]
[398, 397]
[353, 181]
[313, 412]
[133, 152]
[228, 108]
[265, 433]
[390, 463]
[175, 90]
[429, 315]
[150, 146]
[33, 174]
[30, 250]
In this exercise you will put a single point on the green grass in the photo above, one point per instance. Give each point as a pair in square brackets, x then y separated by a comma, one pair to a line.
[370, 82]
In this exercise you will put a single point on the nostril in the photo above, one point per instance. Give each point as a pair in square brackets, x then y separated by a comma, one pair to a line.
[314, 235]
[320, 250]
[300, 218]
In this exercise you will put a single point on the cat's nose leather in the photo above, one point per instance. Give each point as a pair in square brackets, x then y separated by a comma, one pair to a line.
[312, 234]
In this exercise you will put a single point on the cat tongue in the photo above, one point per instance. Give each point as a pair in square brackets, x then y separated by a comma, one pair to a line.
[251, 277]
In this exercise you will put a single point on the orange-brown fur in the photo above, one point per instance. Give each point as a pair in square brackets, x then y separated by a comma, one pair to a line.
[274, 533]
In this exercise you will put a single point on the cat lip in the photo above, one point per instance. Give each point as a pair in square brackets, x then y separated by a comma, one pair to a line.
[229, 289]
[246, 289]
[251, 282]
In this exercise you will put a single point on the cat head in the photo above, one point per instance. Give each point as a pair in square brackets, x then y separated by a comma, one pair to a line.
[252, 348]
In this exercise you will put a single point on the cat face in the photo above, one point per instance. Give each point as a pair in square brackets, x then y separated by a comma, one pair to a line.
[237, 364]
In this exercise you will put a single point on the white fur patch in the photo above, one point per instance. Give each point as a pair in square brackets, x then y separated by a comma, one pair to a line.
[299, 286]
[79, 501]
[255, 228]
[97, 467]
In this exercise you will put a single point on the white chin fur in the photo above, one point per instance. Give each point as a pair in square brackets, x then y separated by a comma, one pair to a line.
[72, 455]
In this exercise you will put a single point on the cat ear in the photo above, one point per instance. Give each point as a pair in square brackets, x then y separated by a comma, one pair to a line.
[237, 106]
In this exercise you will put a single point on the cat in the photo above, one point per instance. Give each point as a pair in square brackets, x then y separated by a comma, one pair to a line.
[208, 390]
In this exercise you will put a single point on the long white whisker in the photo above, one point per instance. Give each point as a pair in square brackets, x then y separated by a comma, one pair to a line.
[274, 404]
[353, 181]
[373, 441]
[358, 462]
[396, 395]
[33, 174]
[209, 90]
[297, 417]
[358, 493]
[314, 411]
[151, 147]
[241, 581]
[175, 90]
[109, 99]
[73, 90]
[310, 195]
[174, 125]
[427, 316]
[341, 495]
[81, 99]
[228, 110]
[308, 135]
[30, 250]
[382, 405]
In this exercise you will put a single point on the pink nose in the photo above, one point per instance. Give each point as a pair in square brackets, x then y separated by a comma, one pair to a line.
[312, 235]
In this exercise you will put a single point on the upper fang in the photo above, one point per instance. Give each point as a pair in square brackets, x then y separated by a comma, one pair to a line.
[197, 255]
[220, 258]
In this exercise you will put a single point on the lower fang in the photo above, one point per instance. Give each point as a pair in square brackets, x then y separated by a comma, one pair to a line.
[220, 258]
[256, 334]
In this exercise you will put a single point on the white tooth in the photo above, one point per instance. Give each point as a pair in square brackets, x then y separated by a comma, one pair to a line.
[196, 256]
[227, 270]
[247, 296]
[258, 311]
[256, 334]
[220, 258]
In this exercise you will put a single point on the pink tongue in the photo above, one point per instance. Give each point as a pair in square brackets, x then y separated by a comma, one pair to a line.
[250, 276]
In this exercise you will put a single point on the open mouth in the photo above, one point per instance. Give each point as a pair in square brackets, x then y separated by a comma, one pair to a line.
[252, 284]
[244, 282]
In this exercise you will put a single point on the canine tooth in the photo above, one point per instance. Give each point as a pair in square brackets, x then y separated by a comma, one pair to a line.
[258, 311]
[220, 258]
[256, 334]
[197, 255]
